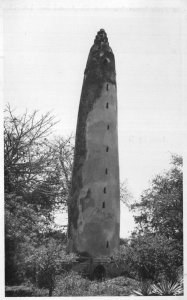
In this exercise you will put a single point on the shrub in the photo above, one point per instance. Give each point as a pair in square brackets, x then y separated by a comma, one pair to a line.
[152, 257]
[71, 284]
[144, 289]
[167, 288]
[164, 288]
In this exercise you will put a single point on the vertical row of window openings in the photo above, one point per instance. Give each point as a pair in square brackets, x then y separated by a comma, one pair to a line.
[106, 170]
[107, 148]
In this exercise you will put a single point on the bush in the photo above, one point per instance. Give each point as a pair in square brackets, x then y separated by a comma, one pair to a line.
[167, 288]
[71, 284]
[46, 262]
[164, 288]
[152, 257]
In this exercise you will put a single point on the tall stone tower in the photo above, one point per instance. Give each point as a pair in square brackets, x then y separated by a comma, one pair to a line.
[94, 211]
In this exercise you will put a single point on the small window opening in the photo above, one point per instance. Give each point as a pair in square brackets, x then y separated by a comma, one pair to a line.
[106, 60]
[108, 127]
[107, 105]
[107, 87]
[107, 244]
[106, 171]
[104, 190]
[103, 204]
[107, 148]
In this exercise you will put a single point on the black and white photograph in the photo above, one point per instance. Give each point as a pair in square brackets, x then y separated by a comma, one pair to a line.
[94, 140]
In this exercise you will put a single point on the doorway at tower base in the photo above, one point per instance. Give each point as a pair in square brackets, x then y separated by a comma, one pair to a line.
[97, 268]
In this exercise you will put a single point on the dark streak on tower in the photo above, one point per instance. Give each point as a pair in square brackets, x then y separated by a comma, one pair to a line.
[94, 209]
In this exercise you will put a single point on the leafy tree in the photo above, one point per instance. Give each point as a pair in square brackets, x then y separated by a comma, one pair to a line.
[154, 257]
[47, 261]
[161, 206]
[37, 181]
[156, 247]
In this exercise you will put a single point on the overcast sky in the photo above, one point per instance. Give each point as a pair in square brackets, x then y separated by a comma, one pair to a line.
[45, 57]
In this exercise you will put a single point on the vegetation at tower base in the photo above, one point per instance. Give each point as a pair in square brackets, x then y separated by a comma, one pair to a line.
[155, 250]
[36, 261]
[37, 172]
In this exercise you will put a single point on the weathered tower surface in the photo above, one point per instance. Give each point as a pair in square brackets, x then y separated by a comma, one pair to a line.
[94, 211]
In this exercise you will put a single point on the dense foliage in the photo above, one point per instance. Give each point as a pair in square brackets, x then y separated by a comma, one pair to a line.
[37, 181]
[161, 206]
[156, 247]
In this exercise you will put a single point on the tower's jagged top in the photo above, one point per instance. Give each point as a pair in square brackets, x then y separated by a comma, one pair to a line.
[101, 60]
[101, 38]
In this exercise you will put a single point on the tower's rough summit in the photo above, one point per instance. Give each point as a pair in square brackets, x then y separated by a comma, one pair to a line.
[94, 209]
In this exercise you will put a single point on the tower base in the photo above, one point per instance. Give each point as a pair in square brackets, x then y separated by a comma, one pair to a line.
[97, 268]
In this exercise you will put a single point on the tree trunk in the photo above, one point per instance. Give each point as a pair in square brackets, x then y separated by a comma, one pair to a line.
[50, 291]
